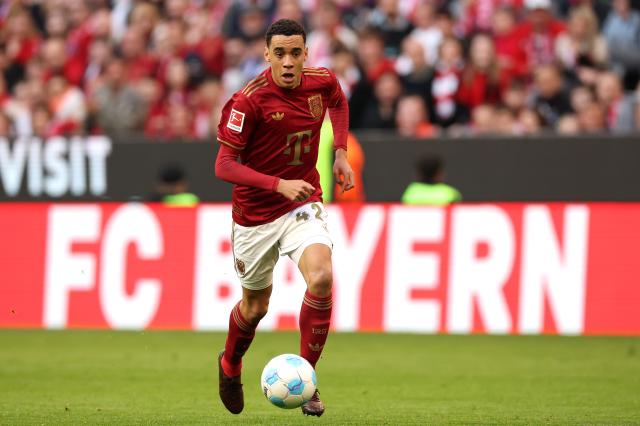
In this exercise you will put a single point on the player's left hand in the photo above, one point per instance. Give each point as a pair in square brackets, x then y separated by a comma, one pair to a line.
[342, 171]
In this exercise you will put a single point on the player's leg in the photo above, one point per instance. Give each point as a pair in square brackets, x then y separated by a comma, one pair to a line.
[256, 253]
[315, 313]
[308, 244]
[243, 320]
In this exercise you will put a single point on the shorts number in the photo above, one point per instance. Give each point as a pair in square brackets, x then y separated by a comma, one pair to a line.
[318, 210]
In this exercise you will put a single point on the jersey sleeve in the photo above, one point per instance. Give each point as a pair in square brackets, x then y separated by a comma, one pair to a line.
[236, 123]
[336, 95]
[339, 114]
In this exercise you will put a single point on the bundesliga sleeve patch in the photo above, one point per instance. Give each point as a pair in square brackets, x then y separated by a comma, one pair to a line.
[236, 120]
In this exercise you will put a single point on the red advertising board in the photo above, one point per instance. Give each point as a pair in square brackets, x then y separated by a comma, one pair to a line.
[472, 268]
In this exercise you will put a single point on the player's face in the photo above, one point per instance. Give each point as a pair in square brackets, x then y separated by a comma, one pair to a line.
[286, 54]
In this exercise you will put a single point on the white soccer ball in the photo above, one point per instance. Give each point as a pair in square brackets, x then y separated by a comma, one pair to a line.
[288, 381]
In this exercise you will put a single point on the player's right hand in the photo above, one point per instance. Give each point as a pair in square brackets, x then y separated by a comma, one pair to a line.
[295, 190]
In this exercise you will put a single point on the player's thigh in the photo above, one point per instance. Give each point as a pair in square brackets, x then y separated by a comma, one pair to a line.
[255, 253]
[305, 226]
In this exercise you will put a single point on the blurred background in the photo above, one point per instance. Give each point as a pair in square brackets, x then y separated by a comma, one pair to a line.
[424, 69]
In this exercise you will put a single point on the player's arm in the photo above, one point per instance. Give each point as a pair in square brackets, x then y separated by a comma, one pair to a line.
[339, 115]
[237, 124]
[230, 170]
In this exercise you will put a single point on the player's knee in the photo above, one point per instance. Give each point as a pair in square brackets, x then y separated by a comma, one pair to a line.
[320, 282]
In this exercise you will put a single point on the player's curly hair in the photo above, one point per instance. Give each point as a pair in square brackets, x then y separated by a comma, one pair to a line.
[285, 27]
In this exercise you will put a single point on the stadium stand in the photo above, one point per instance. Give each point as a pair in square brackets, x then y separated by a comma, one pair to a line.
[164, 69]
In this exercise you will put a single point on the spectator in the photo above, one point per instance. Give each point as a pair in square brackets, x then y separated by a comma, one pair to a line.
[168, 41]
[203, 47]
[328, 30]
[426, 31]
[539, 32]
[100, 54]
[444, 110]
[482, 120]
[54, 57]
[21, 44]
[252, 23]
[619, 109]
[514, 96]
[118, 107]
[208, 104]
[414, 71]
[581, 40]
[233, 77]
[373, 64]
[18, 109]
[343, 64]
[387, 18]
[174, 50]
[412, 120]
[290, 9]
[563, 8]
[180, 123]
[177, 82]
[380, 114]
[482, 80]
[550, 98]
[581, 97]
[67, 105]
[144, 17]
[622, 32]
[176, 9]
[476, 15]
[151, 95]
[512, 59]
[41, 121]
[138, 61]
[528, 123]
[568, 125]
[592, 119]
[505, 121]
[430, 189]
[56, 24]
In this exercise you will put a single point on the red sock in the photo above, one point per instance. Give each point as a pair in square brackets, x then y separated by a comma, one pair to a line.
[315, 317]
[239, 338]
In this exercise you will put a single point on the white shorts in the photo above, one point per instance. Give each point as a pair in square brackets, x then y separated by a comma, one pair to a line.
[256, 249]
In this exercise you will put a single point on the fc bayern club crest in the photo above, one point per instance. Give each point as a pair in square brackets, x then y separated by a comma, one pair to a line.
[240, 266]
[315, 106]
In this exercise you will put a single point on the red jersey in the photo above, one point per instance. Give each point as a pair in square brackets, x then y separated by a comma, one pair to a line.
[277, 132]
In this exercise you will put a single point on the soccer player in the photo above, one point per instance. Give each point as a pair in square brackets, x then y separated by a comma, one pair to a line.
[273, 126]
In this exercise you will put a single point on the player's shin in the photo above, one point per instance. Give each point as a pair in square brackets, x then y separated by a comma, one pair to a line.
[239, 338]
[315, 318]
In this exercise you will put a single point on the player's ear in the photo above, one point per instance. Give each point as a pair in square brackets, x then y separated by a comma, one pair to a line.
[266, 54]
[306, 53]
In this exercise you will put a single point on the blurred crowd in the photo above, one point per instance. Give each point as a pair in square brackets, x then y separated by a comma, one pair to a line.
[424, 68]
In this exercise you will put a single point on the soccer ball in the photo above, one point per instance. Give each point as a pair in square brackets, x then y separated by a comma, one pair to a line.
[288, 381]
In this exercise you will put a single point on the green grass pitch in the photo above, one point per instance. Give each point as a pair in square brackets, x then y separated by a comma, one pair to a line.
[166, 378]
